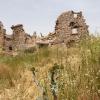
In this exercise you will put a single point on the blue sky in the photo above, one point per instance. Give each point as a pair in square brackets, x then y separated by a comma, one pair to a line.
[40, 15]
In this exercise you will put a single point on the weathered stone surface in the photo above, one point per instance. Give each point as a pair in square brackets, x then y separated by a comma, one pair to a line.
[17, 41]
[2, 33]
[8, 42]
[70, 26]
[18, 37]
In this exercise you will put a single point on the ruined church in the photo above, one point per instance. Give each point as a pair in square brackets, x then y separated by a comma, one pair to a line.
[70, 27]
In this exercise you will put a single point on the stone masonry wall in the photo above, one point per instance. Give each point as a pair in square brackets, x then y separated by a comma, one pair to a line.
[70, 26]
[2, 33]
[18, 37]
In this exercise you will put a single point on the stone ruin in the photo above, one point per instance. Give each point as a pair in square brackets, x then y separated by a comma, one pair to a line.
[17, 41]
[70, 27]
[2, 33]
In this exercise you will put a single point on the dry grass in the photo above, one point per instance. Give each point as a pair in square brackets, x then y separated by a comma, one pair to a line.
[77, 76]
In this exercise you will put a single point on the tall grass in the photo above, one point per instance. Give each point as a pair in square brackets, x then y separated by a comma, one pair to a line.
[77, 76]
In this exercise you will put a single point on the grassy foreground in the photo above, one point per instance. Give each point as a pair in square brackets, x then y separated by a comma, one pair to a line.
[54, 73]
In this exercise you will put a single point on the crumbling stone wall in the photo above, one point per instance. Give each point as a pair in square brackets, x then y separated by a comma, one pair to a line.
[70, 26]
[18, 37]
[5, 40]
[8, 43]
[34, 38]
[28, 39]
[18, 40]
[2, 33]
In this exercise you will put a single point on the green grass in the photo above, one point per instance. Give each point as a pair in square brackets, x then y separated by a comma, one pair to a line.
[78, 79]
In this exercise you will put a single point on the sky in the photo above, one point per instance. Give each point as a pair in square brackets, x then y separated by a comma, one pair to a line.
[41, 15]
